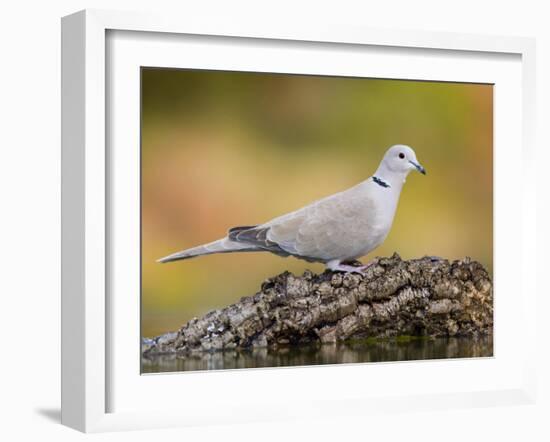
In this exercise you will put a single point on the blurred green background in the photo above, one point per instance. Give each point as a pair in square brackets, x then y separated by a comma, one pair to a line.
[221, 149]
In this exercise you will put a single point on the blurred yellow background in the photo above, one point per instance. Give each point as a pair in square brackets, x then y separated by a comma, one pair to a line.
[222, 149]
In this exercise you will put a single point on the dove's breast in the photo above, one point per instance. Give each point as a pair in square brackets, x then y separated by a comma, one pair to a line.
[369, 226]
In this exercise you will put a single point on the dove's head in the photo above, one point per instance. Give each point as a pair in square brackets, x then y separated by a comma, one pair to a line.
[401, 159]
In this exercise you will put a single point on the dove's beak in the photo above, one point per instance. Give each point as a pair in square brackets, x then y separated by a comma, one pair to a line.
[418, 167]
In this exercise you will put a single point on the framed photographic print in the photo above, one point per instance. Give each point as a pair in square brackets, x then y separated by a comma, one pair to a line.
[252, 211]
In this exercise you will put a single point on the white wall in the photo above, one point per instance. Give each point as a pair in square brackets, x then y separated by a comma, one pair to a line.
[30, 221]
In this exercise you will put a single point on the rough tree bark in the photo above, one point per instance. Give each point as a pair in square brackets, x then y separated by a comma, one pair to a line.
[421, 297]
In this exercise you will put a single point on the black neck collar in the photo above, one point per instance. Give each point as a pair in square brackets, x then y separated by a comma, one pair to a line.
[380, 181]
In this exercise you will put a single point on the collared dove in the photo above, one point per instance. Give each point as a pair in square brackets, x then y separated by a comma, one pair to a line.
[333, 230]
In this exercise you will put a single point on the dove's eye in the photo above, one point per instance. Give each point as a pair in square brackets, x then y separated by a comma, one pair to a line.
[401, 155]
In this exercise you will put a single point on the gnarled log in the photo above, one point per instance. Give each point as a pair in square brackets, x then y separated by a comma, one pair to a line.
[421, 297]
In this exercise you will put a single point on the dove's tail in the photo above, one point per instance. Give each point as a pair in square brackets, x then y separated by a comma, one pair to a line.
[224, 245]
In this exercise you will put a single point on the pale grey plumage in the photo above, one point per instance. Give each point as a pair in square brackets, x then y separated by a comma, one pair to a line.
[332, 230]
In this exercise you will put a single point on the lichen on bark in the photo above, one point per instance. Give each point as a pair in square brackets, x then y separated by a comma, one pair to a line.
[429, 296]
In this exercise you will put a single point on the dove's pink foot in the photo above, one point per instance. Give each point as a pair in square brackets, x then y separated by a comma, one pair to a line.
[338, 266]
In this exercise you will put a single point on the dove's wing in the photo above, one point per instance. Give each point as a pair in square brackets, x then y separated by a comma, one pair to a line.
[341, 226]
[333, 228]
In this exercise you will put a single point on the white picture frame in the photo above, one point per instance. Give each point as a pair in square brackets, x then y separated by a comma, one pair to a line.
[88, 318]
